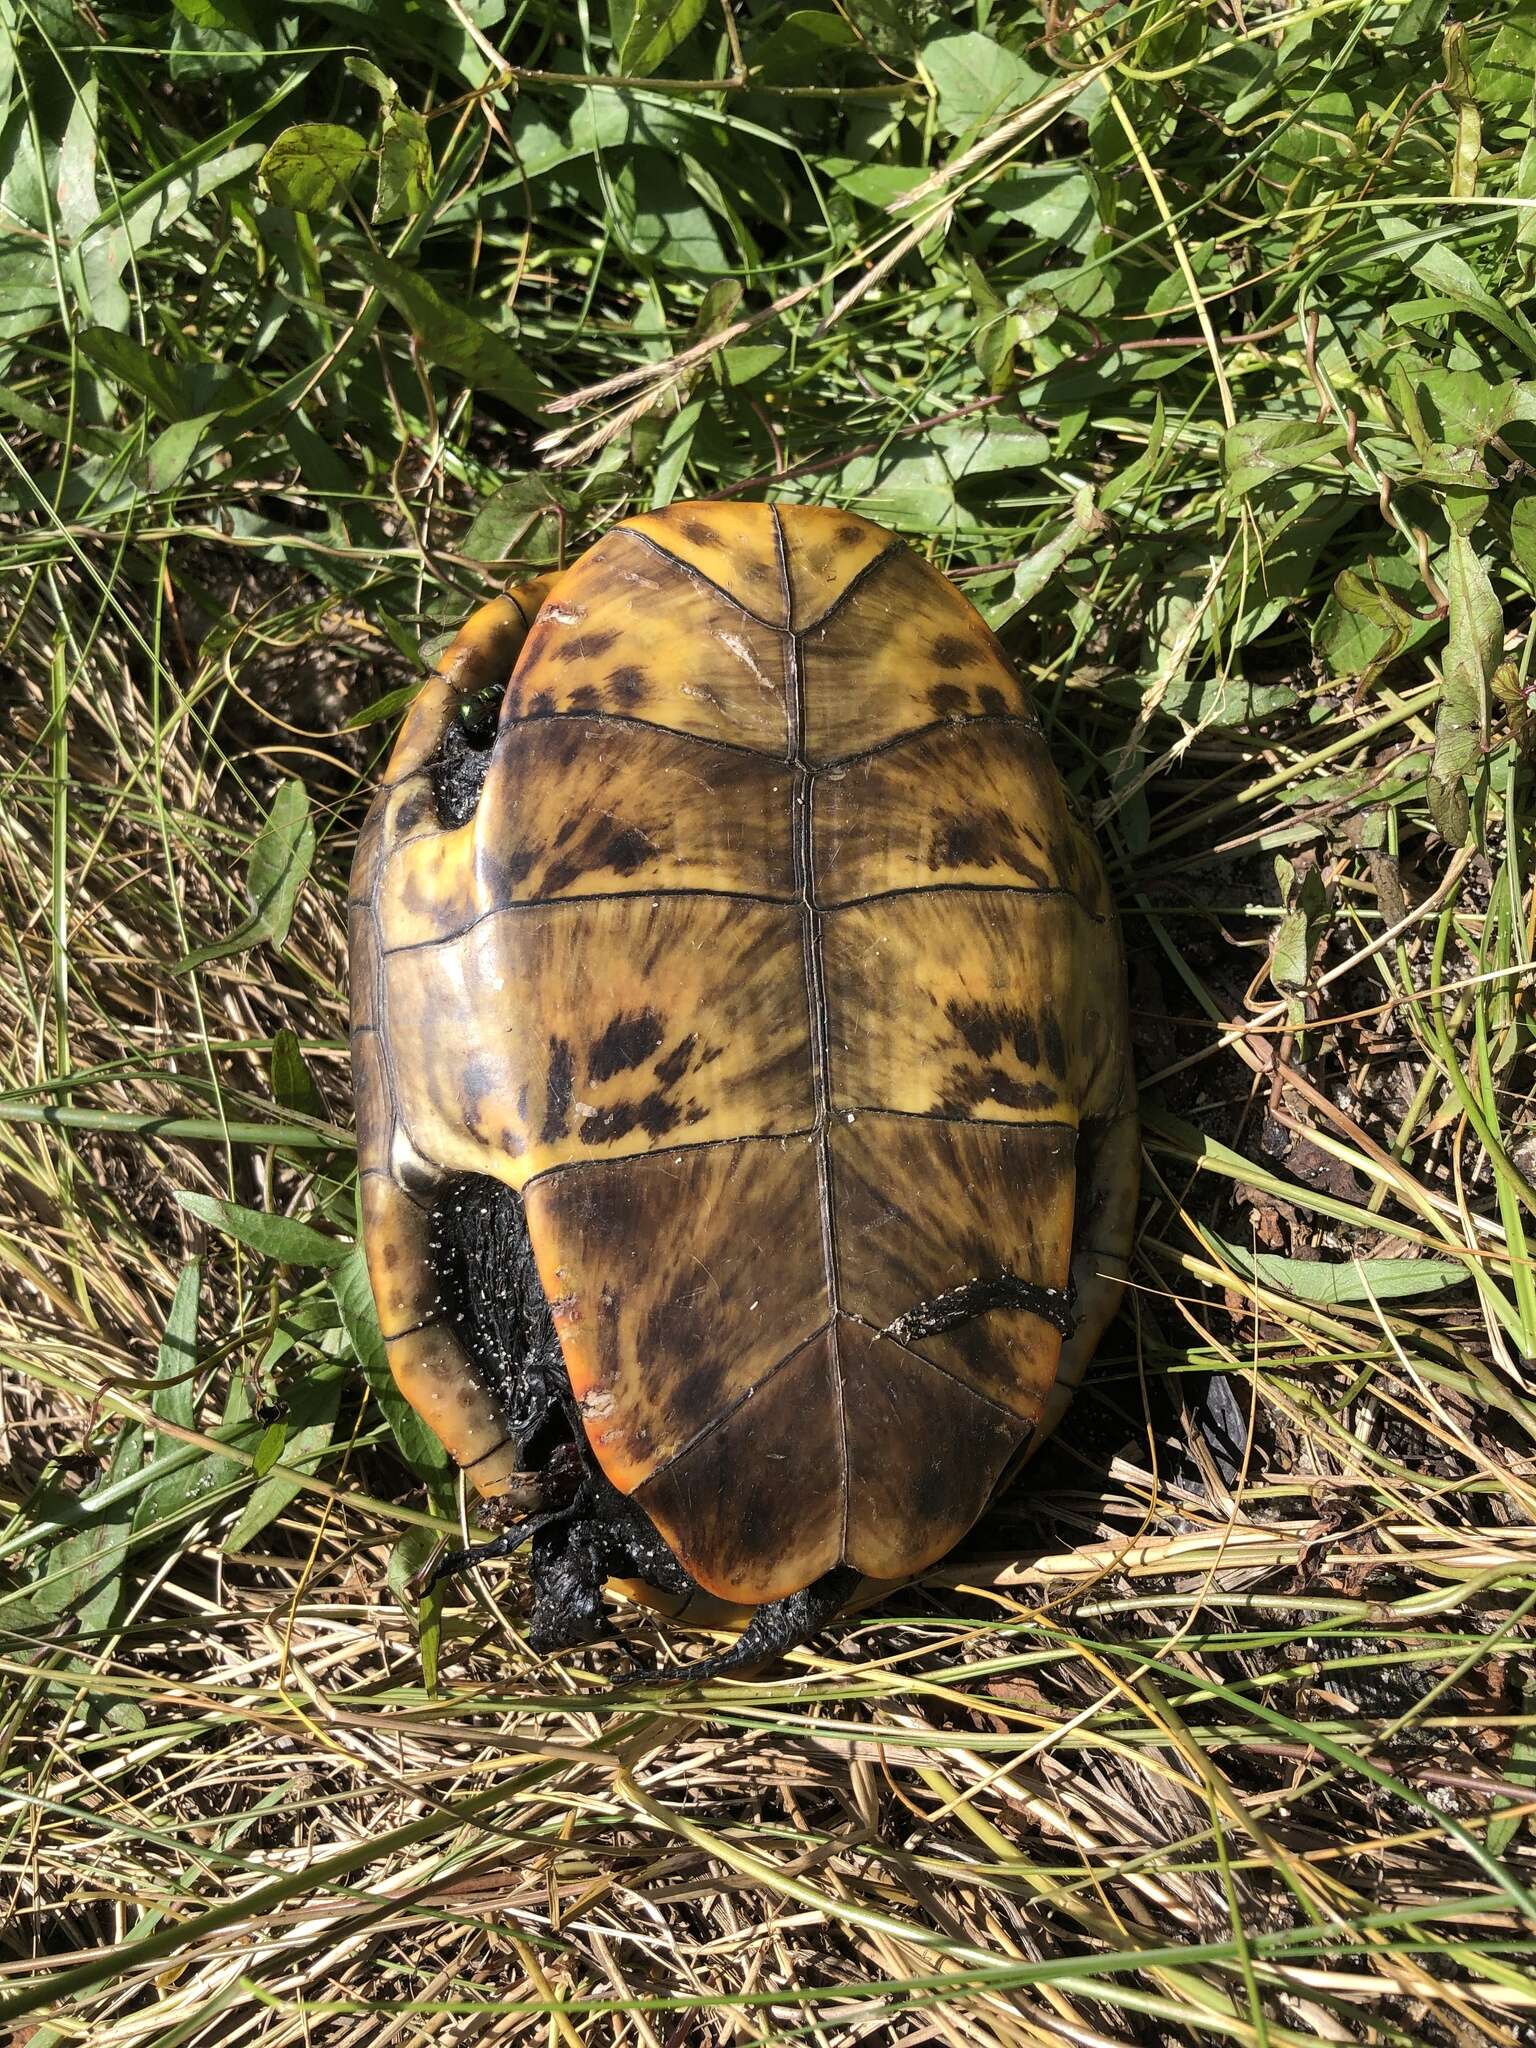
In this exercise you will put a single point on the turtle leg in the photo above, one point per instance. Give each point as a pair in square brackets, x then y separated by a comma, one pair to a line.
[452, 1562]
[776, 1627]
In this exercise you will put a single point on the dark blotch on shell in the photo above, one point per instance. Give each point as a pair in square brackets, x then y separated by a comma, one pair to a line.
[628, 685]
[670, 1071]
[629, 849]
[950, 650]
[586, 646]
[988, 1027]
[557, 1115]
[655, 1114]
[628, 1041]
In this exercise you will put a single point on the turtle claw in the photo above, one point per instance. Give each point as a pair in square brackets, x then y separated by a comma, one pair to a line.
[450, 1563]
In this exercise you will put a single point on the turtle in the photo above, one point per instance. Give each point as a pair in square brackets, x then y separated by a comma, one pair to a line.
[746, 1125]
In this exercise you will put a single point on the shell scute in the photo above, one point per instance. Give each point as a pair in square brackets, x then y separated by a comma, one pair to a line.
[662, 1333]
[630, 633]
[722, 977]
[905, 651]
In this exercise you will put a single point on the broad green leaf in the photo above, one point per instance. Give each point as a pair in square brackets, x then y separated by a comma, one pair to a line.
[172, 453]
[173, 1396]
[283, 1238]
[1256, 450]
[876, 184]
[372, 76]
[297, 1441]
[418, 1446]
[989, 445]
[890, 28]
[172, 1474]
[799, 43]
[293, 1085]
[1471, 655]
[91, 276]
[449, 335]
[312, 167]
[81, 1573]
[523, 517]
[1445, 270]
[1054, 201]
[224, 14]
[1343, 1283]
[405, 165]
[1300, 929]
[1522, 536]
[128, 361]
[1503, 71]
[1368, 620]
[657, 215]
[648, 31]
[977, 80]
[275, 873]
[28, 291]
[745, 362]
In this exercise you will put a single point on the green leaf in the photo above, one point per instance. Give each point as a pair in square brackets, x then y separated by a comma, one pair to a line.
[296, 1442]
[409, 1557]
[233, 15]
[293, 1085]
[1334, 1284]
[1522, 537]
[647, 32]
[282, 1238]
[418, 1446]
[1471, 655]
[1367, 622]
[405, 165]
[390, 705]
[172, 1397]
[1035, 572]
[1257, 450]
[312, 167]
[990, 445]
[172, 453]
[279, 862]
[81, 1573]
[525, 517]
[745, 362]
[127, 361]
[449, 335]
[658, 217]
[1300, 930]
[671, 457]
[174, 1473]
[977, 80]
[1054, 201]
[1446, 271]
